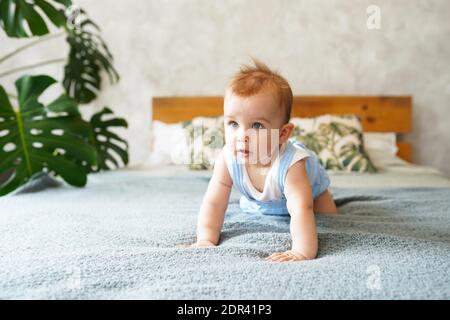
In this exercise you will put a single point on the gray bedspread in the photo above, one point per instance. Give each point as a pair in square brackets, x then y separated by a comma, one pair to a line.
[115, 239]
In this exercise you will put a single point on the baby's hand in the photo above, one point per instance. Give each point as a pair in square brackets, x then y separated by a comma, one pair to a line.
[198, 244]
[289, 255]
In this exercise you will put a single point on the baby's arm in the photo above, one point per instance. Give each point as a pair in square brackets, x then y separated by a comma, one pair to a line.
[300, 206]
[214, 205]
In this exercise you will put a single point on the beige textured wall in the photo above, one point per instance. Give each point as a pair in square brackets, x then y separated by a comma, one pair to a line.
[191, 47]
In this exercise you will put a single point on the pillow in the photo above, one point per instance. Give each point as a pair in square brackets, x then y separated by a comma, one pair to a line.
[337, 140]
[382, 149]
[168, 144]
[206, 138]
[383, 142]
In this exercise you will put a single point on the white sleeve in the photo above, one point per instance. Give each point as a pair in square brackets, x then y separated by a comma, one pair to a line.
[299, 154]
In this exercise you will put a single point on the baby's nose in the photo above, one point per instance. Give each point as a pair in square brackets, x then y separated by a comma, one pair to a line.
[242, 138]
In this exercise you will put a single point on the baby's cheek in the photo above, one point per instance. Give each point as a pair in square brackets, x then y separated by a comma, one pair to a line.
[229, 138]
[230, 143]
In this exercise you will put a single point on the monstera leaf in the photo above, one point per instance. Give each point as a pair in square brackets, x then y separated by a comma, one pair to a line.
[39, 138]
[87, 57]
[16, 14]
[105, 141]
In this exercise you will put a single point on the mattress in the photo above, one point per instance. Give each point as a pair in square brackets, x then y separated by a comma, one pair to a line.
[116, 239]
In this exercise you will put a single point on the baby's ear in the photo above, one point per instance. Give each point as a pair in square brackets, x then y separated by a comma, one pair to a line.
[286, 131]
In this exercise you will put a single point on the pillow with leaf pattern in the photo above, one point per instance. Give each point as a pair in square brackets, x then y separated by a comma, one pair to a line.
[337, 140]
[205, 138]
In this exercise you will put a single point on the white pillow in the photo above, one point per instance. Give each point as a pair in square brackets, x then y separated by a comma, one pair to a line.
[168, 144]
[386, 142]
[382, 149]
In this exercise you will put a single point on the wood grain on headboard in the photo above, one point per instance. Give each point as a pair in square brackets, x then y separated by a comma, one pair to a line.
[377, 113]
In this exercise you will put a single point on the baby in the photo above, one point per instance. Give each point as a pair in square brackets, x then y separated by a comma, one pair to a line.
[274, 174]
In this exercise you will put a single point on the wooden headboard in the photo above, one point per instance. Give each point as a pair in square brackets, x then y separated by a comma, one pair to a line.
[378, 113]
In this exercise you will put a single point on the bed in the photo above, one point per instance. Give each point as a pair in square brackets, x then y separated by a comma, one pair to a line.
[116, 238]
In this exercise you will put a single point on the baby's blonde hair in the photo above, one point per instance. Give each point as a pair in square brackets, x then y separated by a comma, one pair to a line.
[251, 80]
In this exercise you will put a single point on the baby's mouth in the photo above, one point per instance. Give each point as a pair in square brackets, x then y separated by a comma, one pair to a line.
[243, 152]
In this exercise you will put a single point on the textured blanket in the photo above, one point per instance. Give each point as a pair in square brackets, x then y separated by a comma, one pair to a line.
[115, 239]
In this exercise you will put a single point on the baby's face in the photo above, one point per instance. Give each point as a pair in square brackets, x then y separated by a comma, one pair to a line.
[252, 126]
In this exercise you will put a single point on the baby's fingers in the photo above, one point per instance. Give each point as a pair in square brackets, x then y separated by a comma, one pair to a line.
[273, 256]
[285, 258]
[280, 257]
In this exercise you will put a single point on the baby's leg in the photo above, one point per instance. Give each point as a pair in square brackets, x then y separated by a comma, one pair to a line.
[324, 203]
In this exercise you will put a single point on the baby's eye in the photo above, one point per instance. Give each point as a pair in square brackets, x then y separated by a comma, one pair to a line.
[233, 124]
[258, 125]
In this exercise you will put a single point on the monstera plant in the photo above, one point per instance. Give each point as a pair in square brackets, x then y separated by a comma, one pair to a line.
[53, 138]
